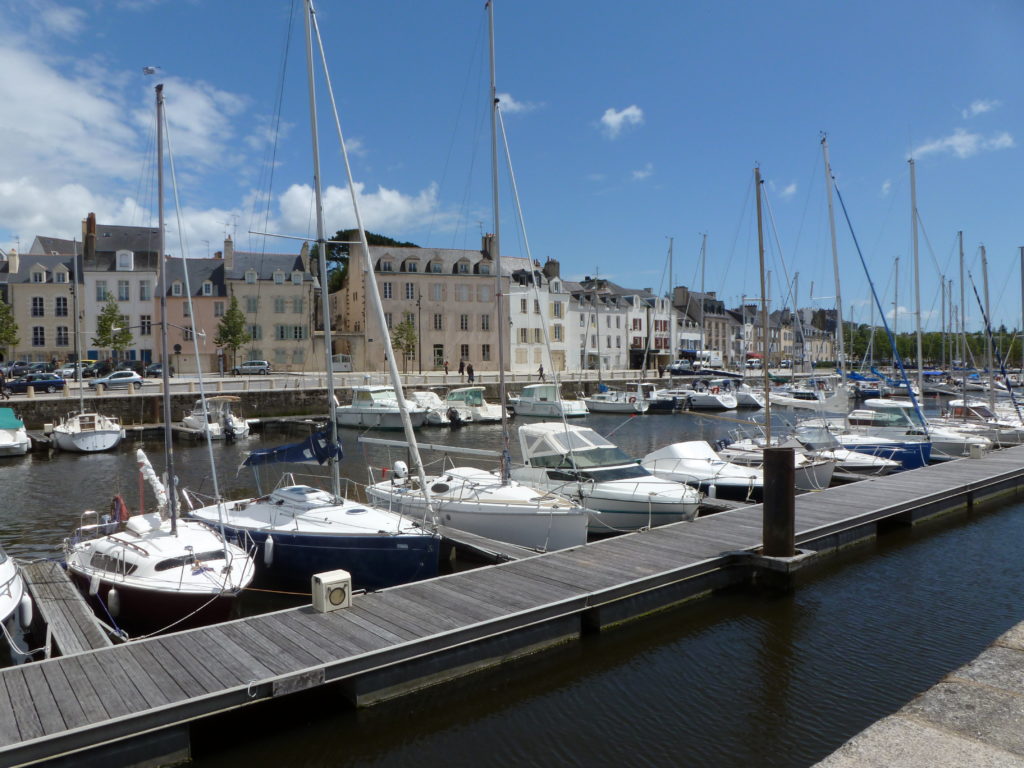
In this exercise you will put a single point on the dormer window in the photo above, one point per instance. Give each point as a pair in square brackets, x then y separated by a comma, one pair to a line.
[485, 269]
[176, 288]
[435, 267]
[461, 268]
[386, 265]
[250, 276]
[278, 277]
[125, 261]
[296, 277]
[411, 266]
[207, 288]
[60, 276]
[555, 287]
[38, 276]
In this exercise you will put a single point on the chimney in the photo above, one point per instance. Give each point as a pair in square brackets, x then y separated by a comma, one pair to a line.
[487, 247]
[552, 269]
[218, 255]
[89, 238]
[13, 260]
[229, 253]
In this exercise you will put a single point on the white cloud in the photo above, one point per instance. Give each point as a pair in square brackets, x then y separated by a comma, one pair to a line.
[644, 172]
[386, 210]
[978, 107]
[788, 191]
[614, 121]
[964, 144]
[61, 21]
[510, 106]
[886, 188]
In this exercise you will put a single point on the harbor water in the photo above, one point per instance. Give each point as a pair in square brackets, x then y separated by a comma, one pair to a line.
[740, 679]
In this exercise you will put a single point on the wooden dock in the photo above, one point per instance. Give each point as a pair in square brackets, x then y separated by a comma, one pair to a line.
[122, 703]
[70, 623]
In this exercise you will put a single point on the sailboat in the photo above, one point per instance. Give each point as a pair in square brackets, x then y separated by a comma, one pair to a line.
[151, 571]
[84, 431]
[299, 530]
[487, 503]
[12, 593]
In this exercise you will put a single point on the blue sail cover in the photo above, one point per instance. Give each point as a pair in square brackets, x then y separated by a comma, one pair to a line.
[317, 447]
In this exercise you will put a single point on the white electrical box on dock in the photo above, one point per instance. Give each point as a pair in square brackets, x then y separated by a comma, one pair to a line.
[332, 590]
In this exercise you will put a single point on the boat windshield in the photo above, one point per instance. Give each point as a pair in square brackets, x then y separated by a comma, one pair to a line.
[579, 448]
[467, 396]
[627, 472]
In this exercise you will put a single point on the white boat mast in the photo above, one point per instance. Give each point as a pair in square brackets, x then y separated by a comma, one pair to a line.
[917, 276]
[74, 306]
[988, 333]
[764, 311]
[841, 358]
[963, 315]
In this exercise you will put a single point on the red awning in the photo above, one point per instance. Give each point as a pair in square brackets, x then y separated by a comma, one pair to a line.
[754, 354]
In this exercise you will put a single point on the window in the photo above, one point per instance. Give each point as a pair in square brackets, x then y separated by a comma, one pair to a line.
[207, 288]
[387, 320]
[435, 267]
[485, 352]
[463, 267]
[386, 266]
[252, 304]
[464, 352]
[60, 276]
[463, 322]
[60, 306]
[279, 304]
[250, 276]
[187, 333]
[37, 306]
[437, 292]
[62, 336]
[298, 355]
[412, 266]
[278, 277]
[618, 321]
[556, 309]
[38, 276]
[296, 277]
[123, 292]
[145, 325]
[537, 338]
[101, 290]
[124, 261]
[556, 330]
[536, 307]
[176, 288]
[485, 322]
[218, 309]
[145, 290]
[438, 322]
[637, 324]
[485, 269]
[522, 306]
[38, 336]
[438, 355]
[524, 335]
[280, 356]
[409, 318]
[410, 290]
[185, 309]
[462, 293]
[298, 304]
[256, 332]
[385, 290]
[484, 293]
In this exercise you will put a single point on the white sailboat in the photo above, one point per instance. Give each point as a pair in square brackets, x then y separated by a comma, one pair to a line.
[14, 439]
[12, 594]
[84, 431]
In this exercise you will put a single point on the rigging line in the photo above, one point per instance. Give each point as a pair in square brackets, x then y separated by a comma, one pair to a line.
[807, 203]
[888, 331]
[741, 224]
[991, 339]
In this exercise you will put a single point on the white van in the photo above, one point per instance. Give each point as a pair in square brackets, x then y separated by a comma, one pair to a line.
[341, 363]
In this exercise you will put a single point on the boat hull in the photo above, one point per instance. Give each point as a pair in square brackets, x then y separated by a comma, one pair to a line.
[378, 419]
[88, 442]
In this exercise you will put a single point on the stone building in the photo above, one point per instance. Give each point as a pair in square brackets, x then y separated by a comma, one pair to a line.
[40, 291]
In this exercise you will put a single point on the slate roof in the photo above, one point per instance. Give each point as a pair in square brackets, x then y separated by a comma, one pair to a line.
[26, 261]
[265, 265]
[199, 271]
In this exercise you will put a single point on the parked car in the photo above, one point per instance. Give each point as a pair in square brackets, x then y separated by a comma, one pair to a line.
[157, 370]
[118, 379]
[70, 370]
[40, 382]
[251, 366]
[131, 365]
[680, 367]
[98, 368]
[15, 368]
[40, 368]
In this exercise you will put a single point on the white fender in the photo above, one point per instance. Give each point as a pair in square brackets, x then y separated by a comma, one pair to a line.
[268, 551]
[712, 491]
[114, 602]
[25, 611]
[94, 585]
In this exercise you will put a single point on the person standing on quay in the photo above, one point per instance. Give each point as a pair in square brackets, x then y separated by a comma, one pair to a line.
[540, 373]
[462, 367]
[469, 372]
[445, 367]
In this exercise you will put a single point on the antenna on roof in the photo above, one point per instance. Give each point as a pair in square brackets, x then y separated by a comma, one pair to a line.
[149, 70]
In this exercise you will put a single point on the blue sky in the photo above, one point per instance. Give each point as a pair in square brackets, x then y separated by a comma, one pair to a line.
[627, 123]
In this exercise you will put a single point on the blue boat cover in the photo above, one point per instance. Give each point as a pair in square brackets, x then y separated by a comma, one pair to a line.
[8, 420]
[317, 447]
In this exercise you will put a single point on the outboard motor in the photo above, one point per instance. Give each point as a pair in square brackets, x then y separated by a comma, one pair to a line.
[400, 470]
[454, 417]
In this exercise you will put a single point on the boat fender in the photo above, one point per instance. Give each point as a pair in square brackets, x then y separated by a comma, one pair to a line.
[114, 602]
[632, 399]
[25, 611]
[712, 491]
[268, 551]
[94, 585]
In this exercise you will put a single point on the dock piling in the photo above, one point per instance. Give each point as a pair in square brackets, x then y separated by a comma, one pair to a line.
[779, 503]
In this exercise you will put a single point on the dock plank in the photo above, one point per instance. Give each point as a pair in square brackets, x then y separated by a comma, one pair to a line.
[43, 699]
[368, 631]
[23, 706]
[256, 669]
[332, 631]
[172, 648]
[60, 604]
[8, 727]
[185, 679]
[306, 654]
[85, 692]
[171, 686]
[454, 602]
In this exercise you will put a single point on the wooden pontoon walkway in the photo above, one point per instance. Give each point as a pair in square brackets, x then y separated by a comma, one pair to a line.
[104, 704]
[70, 622]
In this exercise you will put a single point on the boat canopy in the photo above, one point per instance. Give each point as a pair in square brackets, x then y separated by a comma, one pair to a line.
[9, 421]
[317, 447]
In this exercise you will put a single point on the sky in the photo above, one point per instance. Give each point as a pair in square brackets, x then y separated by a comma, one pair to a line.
[633, 128]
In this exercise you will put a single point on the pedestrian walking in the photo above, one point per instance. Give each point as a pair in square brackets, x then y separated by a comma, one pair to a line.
[3, 387]
[540, 373]
[462, 368]
[469, 372]
[445, 367]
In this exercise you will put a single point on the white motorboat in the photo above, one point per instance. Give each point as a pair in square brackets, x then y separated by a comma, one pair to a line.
[1001, 427]
[579, 463]
[14, 601]
[14, 440]
[615, 401]
[86, 432]
[376, 405]
[819, 442]
[710, 395]
[152, 572]
[472, 398]
[900, 420]
[217, 418]
[809, 473]
[545, 401]
[477, 501]
[812, 398]
[439, 412]
[695, 463]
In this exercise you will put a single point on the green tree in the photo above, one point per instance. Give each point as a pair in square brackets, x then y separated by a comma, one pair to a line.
[106, 336]
[231, 331]
[8, 328]
[337, 254]
[403, 339]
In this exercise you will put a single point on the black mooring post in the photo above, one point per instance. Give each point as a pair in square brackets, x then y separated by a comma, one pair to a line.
[779, 503]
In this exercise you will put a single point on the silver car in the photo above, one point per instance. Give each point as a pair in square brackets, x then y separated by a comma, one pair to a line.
[123, 379]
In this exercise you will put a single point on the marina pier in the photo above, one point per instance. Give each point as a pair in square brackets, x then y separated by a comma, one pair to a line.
[136, 701]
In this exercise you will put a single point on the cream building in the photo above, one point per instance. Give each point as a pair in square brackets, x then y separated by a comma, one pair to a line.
[40, 290]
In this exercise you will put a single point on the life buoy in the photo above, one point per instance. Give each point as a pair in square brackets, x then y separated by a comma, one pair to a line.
[715, 390]
[119, 509]
[632, 399]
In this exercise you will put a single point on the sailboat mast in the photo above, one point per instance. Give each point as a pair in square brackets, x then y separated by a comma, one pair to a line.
[703, 257]
[988, 333]
[74, 306]
[764, 310]
[841, 361]
[165, 373]
[917, 276]
[963, 315]
[321, 249]
[1021, 309]
[496, 253]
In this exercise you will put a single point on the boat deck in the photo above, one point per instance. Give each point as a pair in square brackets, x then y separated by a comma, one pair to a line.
[400, 639]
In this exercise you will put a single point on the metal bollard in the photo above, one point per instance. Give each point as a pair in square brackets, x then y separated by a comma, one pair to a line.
[779, 525]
